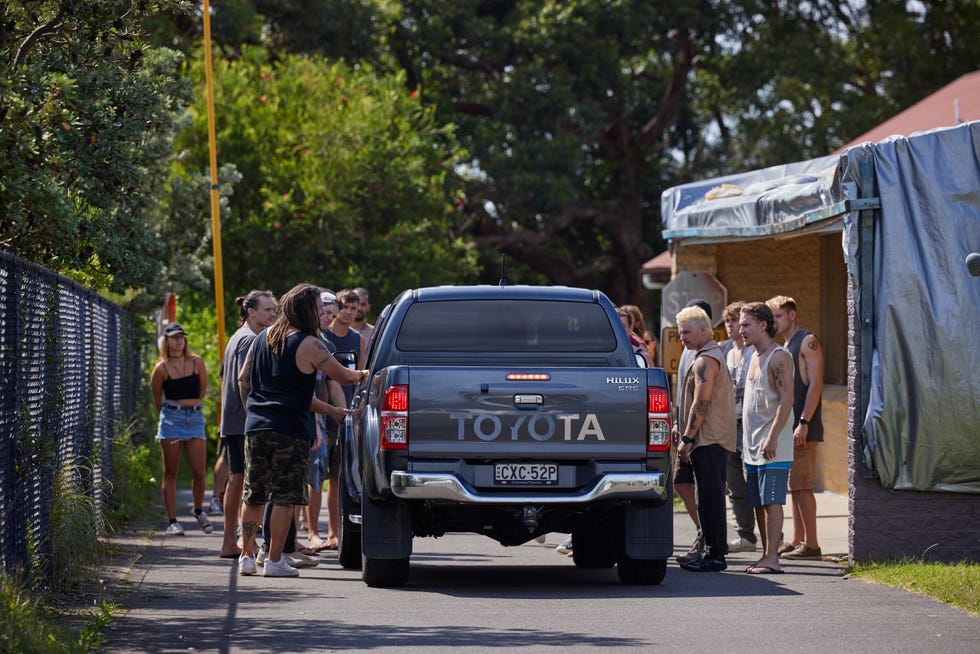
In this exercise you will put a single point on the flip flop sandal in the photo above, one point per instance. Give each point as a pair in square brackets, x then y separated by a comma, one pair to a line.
[762, 570]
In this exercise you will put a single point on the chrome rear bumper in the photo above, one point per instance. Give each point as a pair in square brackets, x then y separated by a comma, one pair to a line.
[442, 486]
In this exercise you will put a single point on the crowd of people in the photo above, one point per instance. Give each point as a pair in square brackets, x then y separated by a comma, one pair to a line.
[283, 380]
[747, 423]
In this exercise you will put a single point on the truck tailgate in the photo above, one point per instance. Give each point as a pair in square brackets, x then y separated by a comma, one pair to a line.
[576, 413]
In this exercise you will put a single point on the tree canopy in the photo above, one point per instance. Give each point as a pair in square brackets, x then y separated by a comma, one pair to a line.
[87, 119]
[340, 178]
[543, 129]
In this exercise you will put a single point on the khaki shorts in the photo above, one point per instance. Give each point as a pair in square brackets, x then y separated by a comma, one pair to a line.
[804, 464]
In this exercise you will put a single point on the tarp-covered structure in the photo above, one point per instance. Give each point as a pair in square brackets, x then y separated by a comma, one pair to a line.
[908, 210]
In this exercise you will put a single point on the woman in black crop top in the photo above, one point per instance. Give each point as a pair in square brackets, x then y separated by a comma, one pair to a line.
[179, 383]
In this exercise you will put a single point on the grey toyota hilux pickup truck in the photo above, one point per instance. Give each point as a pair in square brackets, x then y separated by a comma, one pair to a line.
[507, 411]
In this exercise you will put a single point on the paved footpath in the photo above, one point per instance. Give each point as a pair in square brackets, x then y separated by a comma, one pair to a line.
[467, 593]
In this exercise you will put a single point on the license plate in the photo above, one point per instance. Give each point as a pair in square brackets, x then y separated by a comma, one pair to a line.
[525, 474]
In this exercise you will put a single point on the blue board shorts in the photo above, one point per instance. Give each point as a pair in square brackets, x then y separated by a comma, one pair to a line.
[766, 484]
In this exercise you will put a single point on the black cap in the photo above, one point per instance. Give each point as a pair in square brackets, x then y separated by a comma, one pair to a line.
[172, 329]
[700, 302]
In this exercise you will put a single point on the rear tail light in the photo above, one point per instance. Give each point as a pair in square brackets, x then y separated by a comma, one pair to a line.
[394, 418]
[658, 420]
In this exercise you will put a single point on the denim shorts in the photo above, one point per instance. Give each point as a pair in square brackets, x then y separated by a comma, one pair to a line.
[180, 422]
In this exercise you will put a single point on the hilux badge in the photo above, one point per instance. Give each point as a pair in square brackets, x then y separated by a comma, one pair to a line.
[622, 380]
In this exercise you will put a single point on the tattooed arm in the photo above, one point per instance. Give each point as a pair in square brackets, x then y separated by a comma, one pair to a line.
[705, 373]
[781, 379]
[317, 356]
[811, 372]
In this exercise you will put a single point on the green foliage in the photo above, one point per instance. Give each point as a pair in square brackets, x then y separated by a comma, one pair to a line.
[792, 81]
[86, 121]
[76, 524]
[135, 466]
[957, 584]
[27, 625]
[566, 109]
[344, 179]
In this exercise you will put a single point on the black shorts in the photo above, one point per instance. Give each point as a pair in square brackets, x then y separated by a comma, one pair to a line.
[235, 453]
[684, 473]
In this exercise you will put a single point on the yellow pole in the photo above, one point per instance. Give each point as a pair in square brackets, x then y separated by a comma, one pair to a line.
[219, 291]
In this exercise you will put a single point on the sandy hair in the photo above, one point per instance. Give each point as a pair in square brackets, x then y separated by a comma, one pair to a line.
[733, 310]
[783, 302]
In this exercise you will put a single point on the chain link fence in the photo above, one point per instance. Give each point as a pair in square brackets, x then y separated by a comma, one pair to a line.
[69, 371]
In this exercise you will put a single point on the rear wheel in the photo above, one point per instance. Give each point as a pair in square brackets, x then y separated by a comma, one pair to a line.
[384, 573]
[640, 572]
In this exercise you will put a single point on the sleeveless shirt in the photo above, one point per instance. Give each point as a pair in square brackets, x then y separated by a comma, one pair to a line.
[718, 427]
[281, 394]
[815, 432]
[759, 406]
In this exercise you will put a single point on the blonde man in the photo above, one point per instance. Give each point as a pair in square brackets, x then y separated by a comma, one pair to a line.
[807, 356]
[708, 433]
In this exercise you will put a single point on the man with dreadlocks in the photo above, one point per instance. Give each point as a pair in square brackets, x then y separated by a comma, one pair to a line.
[277, 384]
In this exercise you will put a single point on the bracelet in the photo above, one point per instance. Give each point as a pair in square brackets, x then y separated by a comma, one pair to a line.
[687, 439]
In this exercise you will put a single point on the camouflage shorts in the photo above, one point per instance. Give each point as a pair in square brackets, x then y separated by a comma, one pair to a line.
[276, 464]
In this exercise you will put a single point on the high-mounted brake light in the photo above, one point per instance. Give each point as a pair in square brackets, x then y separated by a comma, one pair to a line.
[528, 376]
[658, 420]
[394, 418]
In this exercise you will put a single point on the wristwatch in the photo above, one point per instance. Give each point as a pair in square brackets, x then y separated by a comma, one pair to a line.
[687, 439]
[804, 421]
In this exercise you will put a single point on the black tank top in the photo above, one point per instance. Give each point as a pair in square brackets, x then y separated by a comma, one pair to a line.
[815, 431]
[281, 393]
[183, 388]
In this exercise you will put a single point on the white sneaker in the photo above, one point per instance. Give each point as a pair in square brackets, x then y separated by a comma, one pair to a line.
[215, 507]
[246, 565]
[299, 560]
[174, 529]
[261, 557]
[741, 545]
[565, 547]
[203, 522]
[279, 568]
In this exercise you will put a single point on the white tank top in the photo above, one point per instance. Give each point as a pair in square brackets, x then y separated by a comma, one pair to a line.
[759, 406]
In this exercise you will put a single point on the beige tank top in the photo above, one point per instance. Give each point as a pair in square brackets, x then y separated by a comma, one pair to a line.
[759, 406]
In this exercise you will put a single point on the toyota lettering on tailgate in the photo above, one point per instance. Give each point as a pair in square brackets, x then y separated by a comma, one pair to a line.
[539, 427]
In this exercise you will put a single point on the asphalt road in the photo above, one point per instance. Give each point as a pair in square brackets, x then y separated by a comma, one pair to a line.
[467, 593]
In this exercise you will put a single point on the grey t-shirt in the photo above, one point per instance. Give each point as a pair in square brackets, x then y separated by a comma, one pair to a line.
[232, 411]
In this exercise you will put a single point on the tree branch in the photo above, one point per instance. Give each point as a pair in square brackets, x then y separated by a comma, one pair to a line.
[49, 27]
[683, 63]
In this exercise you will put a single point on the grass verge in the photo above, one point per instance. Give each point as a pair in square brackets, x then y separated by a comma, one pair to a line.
[58, 603]
[957, 584]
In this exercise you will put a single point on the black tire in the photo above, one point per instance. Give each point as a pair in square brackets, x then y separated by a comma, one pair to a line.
[593, 548]
[640, 572]
[349, 536]
[384, 573]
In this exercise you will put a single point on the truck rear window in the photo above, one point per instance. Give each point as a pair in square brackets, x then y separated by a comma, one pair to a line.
[506, 326]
